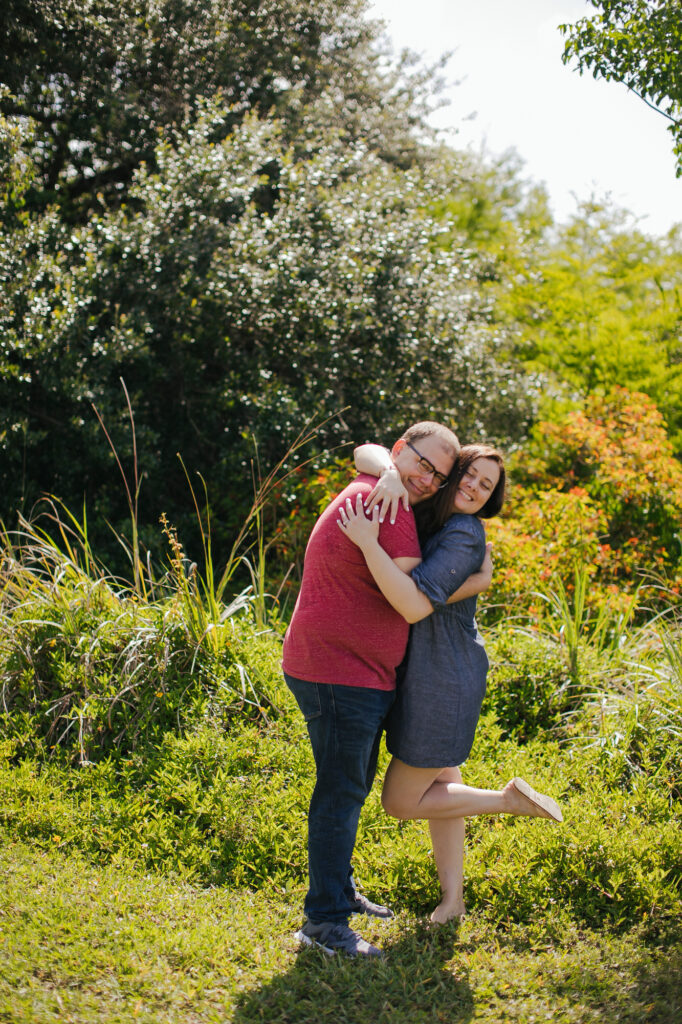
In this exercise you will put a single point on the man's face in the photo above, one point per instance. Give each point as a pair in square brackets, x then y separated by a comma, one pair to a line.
[412, 466]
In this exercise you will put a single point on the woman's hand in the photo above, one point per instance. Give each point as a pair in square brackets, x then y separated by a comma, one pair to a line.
[387, 494]
[355, 524]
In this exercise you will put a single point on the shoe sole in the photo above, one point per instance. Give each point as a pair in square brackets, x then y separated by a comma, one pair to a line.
[388, 915]
[539, 799]
[308, 941]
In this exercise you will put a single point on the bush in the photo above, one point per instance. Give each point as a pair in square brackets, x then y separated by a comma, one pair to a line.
[599, 493]
[530, 686]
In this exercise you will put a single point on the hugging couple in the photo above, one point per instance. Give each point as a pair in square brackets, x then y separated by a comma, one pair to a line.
[385, 597]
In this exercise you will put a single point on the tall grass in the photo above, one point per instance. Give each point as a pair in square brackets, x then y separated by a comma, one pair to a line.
[91, 662]
[573, 620]
[623, 694]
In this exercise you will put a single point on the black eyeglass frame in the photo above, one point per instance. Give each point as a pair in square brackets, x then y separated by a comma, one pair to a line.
[429, 467]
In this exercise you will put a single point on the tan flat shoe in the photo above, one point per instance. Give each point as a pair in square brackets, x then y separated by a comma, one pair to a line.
[546, 804]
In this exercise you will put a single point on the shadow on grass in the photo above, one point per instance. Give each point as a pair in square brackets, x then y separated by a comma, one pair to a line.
[415, 983]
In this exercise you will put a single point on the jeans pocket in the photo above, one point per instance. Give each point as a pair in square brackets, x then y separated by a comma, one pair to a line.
[307, 697]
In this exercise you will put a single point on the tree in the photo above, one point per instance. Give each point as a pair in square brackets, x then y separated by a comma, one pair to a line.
[239, 292]
[638, 43]
[599, 304]
[101, 80]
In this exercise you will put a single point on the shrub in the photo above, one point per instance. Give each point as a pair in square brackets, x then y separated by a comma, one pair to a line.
[529, 684]
[598, 491]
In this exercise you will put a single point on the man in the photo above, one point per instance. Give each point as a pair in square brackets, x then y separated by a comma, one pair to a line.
[340, 656]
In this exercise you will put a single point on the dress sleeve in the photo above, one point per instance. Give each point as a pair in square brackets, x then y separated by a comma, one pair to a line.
[455, 552]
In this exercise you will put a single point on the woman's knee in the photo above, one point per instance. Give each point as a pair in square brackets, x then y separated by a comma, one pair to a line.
[397, 798]
[390, 800]
[402, 793]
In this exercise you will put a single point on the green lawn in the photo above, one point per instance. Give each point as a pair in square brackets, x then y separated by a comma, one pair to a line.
[163, 881]
[84, 943]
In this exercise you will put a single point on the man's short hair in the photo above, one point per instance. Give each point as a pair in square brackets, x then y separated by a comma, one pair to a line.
[428, 428]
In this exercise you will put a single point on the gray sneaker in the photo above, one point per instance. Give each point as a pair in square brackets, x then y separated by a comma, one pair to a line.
[362, 905]
[335, 938]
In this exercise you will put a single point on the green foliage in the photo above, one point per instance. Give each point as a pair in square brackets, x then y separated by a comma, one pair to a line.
[499, 212]
[598, 305]
[530, 685]
[100, 81]
[638, 43]
[240, 293]
[109, 944]
[221, 803]
[89, 665]
[230, 810]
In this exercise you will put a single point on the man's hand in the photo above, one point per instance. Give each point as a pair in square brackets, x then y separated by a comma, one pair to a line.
[387, 494]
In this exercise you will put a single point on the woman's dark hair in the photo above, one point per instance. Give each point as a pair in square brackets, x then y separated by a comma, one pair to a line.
[431, 515]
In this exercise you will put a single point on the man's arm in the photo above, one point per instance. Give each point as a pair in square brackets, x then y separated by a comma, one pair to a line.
[389, 491]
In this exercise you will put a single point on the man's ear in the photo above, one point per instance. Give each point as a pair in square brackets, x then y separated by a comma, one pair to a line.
[398, 446]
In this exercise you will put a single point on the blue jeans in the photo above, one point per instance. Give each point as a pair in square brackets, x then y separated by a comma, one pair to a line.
[344, 725]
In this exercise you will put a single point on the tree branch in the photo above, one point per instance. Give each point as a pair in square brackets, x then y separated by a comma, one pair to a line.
[653, 106]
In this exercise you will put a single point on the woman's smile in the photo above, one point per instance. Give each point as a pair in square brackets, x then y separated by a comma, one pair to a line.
[476, 486]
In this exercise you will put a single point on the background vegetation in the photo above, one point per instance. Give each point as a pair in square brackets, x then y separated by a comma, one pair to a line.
[227, 234]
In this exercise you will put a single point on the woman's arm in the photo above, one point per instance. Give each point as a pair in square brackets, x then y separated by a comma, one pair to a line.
[478, 581]
[389, 490]
[398, 588]
[446, 573]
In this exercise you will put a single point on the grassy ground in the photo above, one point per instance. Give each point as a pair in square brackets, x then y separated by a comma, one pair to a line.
[166, 887]
[153, 795]
[83, 943]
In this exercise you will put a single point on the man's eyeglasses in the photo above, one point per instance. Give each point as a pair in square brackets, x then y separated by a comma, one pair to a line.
[428, 467]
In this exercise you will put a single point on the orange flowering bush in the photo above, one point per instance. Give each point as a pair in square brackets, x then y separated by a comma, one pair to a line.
[601, 489]
[618, 450]
[540, 536]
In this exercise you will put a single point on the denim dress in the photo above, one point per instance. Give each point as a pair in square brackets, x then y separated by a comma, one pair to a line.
[442, 680]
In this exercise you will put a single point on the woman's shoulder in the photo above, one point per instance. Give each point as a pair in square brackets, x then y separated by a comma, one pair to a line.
[460, 522]
[459, 528]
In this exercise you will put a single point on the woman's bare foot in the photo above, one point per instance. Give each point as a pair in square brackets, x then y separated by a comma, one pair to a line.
[524, 800]
[448, 910]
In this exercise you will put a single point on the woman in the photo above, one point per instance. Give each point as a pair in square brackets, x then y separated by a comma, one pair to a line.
[431, 727]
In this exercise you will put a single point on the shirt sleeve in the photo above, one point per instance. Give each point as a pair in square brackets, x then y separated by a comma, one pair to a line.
[400, 539]
[458, 551]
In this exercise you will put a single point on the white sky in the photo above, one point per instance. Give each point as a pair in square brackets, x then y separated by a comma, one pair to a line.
[578, 135]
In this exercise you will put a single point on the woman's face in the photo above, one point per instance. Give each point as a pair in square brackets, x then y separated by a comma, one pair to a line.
[476, 486]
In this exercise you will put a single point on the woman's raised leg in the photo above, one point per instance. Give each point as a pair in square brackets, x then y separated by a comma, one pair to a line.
[414, 793]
